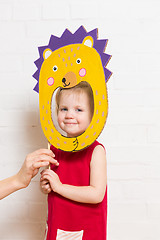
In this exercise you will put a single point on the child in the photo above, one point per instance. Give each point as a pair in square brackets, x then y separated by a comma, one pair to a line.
[29, 169]
[77, 200]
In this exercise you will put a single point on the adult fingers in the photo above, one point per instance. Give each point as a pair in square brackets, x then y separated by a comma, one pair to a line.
[47, 158]
[44, 151]
[38, 165]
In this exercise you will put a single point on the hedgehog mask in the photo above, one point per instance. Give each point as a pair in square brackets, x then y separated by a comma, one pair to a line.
[65, 62]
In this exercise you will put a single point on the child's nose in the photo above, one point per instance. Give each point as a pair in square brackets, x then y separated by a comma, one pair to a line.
[69, 114]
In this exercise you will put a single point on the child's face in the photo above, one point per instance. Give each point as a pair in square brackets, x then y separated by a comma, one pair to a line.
[74, 114]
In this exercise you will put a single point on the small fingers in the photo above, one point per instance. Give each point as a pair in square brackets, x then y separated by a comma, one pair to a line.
[43, 182]
[46, 188]
[45, 177]
[47, 173]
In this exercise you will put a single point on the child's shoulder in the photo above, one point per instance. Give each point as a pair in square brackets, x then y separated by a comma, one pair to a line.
[98, 145]
[99, 149]
[98, 155]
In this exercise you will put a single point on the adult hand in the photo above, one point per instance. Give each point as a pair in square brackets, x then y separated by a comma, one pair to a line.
[32, 163]
[29, 169]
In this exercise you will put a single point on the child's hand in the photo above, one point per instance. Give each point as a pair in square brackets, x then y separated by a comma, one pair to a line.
[51, 180]
[45, 186]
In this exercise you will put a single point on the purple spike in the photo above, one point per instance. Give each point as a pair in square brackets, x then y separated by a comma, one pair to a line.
[100, 45]
[105, 58]
[52, 39]
[54, 42]
[79, 35]
[41, 50]
[80, 30]
[107, 74]
[66, 34]
[36, 62]
[93, 33]
[67, 38]
[39, 62]
[36, 74]
[36, 88]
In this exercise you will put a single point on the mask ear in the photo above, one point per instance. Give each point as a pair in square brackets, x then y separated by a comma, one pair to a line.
[47, 52]
[88, 41]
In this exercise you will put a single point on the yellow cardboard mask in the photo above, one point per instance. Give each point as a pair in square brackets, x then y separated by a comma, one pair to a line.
[65, 62]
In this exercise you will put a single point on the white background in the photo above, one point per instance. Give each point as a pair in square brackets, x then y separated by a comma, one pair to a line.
[132, 132]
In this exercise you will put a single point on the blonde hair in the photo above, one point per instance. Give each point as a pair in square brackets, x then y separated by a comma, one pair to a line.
[82, 87]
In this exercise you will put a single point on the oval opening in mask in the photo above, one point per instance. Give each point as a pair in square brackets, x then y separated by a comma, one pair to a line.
[81, 88]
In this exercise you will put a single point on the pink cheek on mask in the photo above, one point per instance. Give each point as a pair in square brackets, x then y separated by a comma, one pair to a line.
[82, 72]
[50, 81]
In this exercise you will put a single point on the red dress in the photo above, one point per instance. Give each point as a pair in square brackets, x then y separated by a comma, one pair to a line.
[88, 221]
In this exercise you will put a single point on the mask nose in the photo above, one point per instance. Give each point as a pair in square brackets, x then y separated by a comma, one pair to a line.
[63, 80]
[69, 79]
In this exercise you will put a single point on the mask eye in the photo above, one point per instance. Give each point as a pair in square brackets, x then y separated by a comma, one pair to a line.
[78, 61]
[55, 68]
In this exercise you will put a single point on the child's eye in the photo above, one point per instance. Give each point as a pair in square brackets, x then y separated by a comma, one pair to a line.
[63, 109]
[79, 110]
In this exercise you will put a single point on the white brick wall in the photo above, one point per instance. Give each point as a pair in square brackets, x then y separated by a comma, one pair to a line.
[132, 132]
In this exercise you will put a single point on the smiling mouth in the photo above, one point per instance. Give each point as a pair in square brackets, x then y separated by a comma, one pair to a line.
[66, 85]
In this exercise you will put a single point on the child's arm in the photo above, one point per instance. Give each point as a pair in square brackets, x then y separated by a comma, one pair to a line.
[29, 169]
[84, 194]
